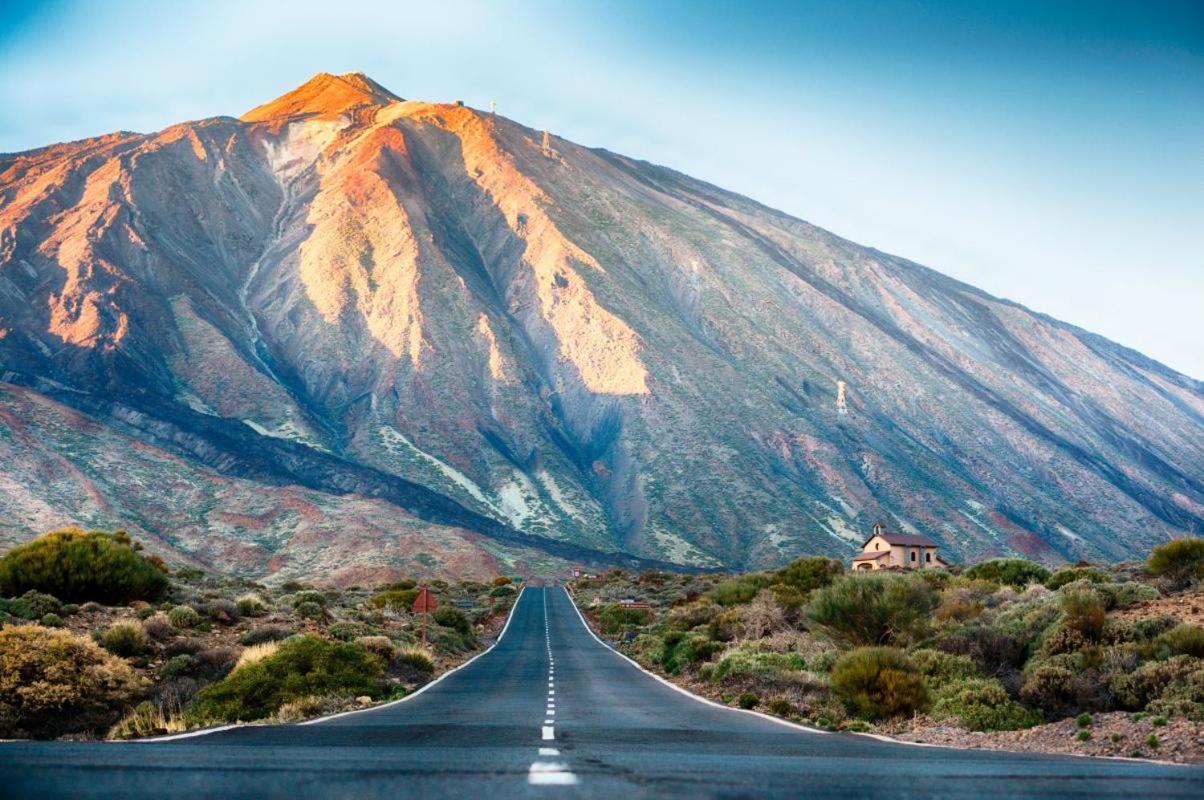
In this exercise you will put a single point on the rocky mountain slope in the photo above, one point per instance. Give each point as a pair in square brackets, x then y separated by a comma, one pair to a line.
[435, 311]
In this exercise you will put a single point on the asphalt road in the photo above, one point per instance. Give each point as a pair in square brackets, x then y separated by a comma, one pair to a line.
[550, 711]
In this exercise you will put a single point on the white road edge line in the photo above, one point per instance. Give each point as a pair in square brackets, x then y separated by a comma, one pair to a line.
[207, 731]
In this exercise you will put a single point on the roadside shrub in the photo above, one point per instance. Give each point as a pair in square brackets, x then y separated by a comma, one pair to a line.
[739, 591]
[1011, 571]
[148, 718]
[1073, 574]
[302, 667]
[380, 646]
[309, 596]
[452, 617]
[77, 565]
[222, 610]
[726, 626]
[266, 633]
[862, 610]
[158, 627]
[1180, 561]
[252, 605]
[683, 650]
[54, 683]
[256, 652]
[396, 599]
[178, 666]
[1123, 595]
[52, 620]
[996, 653]
[809, 573]
[125, 639]
[1182, 640]
[743, 662]
[405, 584]
[184, 617]
[982, 704]
[417, 659]
[34, 605]
[310, 610]
[691, 615]
[1138, 688]
[1083, 611]
[502, 580]
[1050, 687]
[878, 683]
[748, 701]
[347, 631]
[1181, 697]
[941, 668]
[615, 618]
[763, 616]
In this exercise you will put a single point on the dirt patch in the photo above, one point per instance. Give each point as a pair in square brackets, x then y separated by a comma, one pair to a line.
[1187, 607]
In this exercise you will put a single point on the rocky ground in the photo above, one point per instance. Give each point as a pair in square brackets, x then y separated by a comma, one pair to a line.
[1115, 734]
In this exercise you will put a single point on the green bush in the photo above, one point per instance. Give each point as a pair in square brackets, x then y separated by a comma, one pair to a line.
[809, 573]
[310, 610]
[52, 620]
[302, 667]
[267, 633]
[178, 666]
[1084, 720]
[878, 683]
[78, 565]
[396, 599]
[184, 617]
[1083, 611]
[1135, 690]
[981, 704]
[691, 615]
[862, 610]
[1073, 574]
[417, 659]
[34, 605]
[941, 668]
[743, 662]
[615, 618]
[125, 639]
[739, 591]
[748, 701]
[54, 683]
[348, 631]
[252, 605]
[452, 617]
[1180, 561]
[681, 651]
[1182, 640]
[1011, 571]
[309, 596]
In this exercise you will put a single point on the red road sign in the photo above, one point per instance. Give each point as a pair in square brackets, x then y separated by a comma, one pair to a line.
[424, 603]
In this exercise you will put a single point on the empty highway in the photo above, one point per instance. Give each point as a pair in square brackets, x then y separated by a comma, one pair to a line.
[550, 711]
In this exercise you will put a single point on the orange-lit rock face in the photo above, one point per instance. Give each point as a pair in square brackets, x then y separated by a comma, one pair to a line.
[361, 256]
[601, 348]
[323, 96]
[404, 300]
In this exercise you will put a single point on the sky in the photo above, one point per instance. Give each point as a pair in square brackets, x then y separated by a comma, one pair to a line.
[1048, 152]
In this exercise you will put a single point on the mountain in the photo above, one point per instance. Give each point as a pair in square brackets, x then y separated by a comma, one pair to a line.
[350, 331]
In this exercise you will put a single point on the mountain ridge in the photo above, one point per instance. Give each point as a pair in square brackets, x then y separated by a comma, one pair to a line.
[581, 346]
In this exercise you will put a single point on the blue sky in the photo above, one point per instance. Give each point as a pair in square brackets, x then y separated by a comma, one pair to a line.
[1049, 152]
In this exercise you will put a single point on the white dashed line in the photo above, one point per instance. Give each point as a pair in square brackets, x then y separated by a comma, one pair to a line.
[550, 773]
[549, 751]
[548, 733]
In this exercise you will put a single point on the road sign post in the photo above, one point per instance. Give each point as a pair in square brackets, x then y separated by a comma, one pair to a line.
[424, 605]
